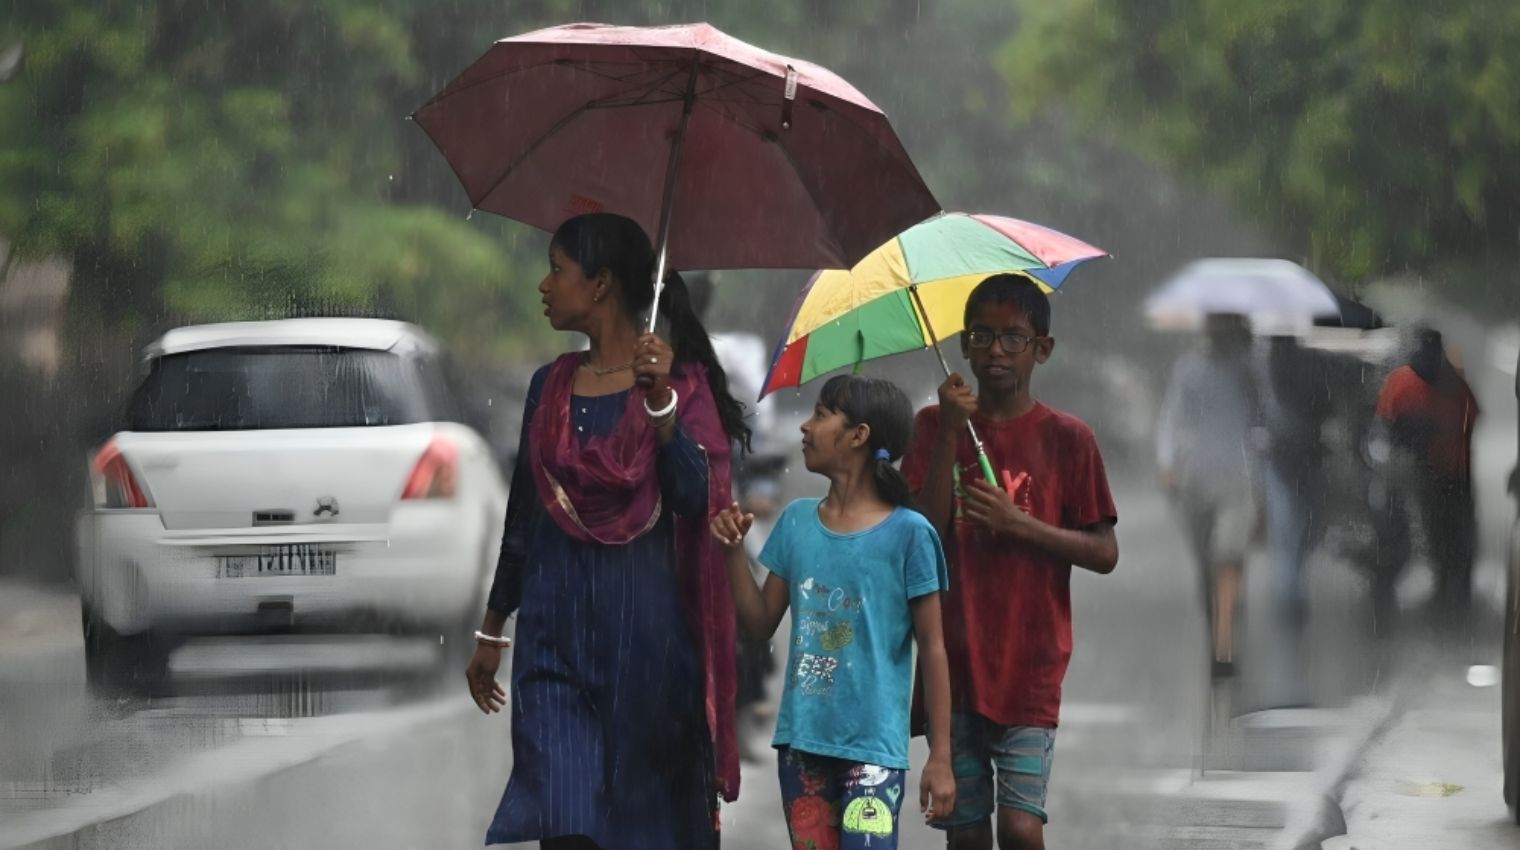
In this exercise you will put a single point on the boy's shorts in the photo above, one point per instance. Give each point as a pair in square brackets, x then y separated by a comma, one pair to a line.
[1007, 766]
[1221, 529]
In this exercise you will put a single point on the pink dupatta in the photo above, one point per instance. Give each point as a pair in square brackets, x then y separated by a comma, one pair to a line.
[606, 489]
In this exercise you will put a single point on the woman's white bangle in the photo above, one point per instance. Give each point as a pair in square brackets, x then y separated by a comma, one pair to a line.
[500, 641]
[665, 411]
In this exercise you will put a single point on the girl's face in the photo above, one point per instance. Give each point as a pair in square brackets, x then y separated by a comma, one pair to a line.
[829, 441]
[569, 295]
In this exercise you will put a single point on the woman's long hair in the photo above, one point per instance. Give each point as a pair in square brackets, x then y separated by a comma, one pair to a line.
[618, 244]
[884, 407]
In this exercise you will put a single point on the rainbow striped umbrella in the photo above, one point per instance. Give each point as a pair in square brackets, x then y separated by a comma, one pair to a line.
[911, 292]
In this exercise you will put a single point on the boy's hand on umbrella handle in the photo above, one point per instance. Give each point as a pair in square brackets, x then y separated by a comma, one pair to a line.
[652, 359]
[957, 403]
[730, 525]
[936, 790]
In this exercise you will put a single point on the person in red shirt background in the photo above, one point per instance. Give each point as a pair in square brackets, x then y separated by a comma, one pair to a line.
[1007, 615]
[1430, 413]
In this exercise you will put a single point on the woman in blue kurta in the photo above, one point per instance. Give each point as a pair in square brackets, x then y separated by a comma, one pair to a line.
[622, 676]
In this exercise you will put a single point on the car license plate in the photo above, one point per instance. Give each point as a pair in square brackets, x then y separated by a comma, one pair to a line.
[291, 560]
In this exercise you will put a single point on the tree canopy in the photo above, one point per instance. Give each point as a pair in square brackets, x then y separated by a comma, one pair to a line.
[248, 160]
[1376, 136]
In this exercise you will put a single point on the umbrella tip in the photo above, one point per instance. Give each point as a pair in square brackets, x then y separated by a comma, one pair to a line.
[470, 215]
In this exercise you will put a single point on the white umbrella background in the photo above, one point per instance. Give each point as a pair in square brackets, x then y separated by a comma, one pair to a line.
[1277, 295]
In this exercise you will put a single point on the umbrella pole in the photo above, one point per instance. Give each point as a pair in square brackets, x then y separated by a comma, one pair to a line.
[981, 452]
[668, 200]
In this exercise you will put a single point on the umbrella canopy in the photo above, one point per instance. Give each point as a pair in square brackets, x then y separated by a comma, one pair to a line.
[745, 158]
[1275, 294]
[911, 292]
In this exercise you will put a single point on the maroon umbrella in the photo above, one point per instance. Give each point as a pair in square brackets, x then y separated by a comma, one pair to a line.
[736, 157]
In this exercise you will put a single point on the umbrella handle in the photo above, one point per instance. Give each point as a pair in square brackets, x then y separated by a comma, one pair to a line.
[984, 462]
[668, 202]
[981, 453]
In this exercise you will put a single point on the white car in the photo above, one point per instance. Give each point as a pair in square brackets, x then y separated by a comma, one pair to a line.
[294, 475]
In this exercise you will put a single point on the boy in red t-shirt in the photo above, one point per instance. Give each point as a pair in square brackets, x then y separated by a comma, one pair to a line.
[1010, 548]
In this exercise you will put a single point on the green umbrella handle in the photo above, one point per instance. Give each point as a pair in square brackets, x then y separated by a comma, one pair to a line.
[981, 458]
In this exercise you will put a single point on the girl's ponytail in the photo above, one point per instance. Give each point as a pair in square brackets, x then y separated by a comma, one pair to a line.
[891, 485]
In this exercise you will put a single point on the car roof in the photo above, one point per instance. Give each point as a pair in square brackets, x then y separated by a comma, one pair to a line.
[373, 334]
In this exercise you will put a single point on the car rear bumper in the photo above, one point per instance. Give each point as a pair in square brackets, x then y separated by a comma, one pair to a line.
[426, 568]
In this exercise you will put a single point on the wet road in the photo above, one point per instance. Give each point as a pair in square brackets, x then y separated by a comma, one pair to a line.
[383, 760]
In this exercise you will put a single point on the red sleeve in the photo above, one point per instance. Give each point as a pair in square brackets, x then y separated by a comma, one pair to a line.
[915, 465]
[1393, 402]
[1088, 500]
[1470, 417]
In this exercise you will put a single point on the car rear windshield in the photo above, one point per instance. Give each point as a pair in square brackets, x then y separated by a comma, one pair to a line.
[242, 389]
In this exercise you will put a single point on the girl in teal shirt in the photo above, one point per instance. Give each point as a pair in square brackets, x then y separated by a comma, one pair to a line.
[862, 572]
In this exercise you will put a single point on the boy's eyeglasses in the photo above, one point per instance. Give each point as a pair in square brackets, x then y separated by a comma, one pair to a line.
[1012, 342]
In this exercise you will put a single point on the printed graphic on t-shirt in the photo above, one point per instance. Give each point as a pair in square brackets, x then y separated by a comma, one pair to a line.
[1018, 487]
[825, 627]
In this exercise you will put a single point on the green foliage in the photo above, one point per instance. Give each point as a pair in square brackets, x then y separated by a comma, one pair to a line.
[1376, 135]
[210, 161]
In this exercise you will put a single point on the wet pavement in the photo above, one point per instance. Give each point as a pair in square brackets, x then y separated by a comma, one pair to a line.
[240, 757]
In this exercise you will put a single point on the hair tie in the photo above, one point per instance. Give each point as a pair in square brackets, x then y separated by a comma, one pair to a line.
[883, 454]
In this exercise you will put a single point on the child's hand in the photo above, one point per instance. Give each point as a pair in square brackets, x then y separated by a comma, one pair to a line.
[957, 403]
[936, 790]
[731, 524]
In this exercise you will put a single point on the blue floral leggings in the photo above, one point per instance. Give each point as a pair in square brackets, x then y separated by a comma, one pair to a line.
[833, 804]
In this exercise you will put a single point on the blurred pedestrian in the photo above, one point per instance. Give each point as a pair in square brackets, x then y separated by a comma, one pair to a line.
[862, 573]
[1430, 414]
[1205, 452]
[1302, 387]
[1011, 550]
[622, 673]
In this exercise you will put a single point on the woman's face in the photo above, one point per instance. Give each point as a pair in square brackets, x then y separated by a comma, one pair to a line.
[569, 295]
[828, 439]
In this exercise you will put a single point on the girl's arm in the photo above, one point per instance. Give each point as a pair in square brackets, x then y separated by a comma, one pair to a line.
[759, 610]
[937, 789]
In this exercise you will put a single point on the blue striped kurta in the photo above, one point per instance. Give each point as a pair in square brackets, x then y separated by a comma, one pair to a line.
[609, 738]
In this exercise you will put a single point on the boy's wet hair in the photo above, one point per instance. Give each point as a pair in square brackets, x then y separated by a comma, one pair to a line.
[886, 408]
[1017, 290]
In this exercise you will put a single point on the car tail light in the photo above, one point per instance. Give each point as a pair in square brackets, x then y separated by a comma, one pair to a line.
[436, 474]
[115, 485]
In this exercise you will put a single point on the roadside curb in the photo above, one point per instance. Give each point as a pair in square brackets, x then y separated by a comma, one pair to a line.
[1322, 818]
[1435, 779]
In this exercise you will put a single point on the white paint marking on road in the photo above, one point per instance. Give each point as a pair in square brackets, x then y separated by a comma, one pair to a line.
[301, 742]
